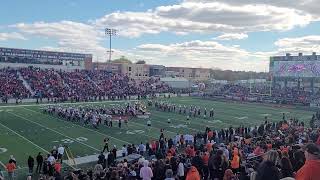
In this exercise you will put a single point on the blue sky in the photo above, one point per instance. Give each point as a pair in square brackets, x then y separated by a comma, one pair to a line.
[226, 34]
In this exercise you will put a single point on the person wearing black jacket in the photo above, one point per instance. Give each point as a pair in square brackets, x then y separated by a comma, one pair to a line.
[39, 162]
[110, 159]
[217, 165]
[197, 162]
[102, 160]
[30, 164]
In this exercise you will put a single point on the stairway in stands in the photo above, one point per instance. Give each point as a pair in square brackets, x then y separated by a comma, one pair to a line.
[58, 75]
[93, 82]
[26, 85]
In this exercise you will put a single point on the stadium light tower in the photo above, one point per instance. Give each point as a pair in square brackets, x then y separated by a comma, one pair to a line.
[110, 32]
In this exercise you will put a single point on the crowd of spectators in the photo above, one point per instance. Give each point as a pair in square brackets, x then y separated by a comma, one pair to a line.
[292, 95]
[270, 151]
[11, 85]
[77, 85]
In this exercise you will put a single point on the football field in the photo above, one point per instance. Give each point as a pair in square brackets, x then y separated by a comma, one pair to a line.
[25, 130]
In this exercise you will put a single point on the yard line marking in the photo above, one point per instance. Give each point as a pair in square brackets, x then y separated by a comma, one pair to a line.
[47, 104]
[154, 127]
[177, 120]
[55, 131]
[30, 141]
[24, 138]
[192, 122]
[77, 125]
[3, 165]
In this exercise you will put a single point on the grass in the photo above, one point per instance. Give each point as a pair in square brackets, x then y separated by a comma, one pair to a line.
[25, 130]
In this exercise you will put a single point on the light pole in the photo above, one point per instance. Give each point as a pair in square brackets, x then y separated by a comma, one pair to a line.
[110, 32]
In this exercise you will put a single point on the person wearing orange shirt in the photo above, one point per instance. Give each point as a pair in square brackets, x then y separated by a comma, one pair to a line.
[311, 169]
[10, 169]
[235, 162]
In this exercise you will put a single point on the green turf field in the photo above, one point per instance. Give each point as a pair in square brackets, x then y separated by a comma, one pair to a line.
[25, 130]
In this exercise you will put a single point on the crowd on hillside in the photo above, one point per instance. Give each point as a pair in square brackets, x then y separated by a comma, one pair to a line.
[59, 86]
[270, 151]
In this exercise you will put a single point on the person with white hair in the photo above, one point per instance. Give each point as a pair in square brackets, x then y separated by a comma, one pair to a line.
[60, 152]
[146, 171]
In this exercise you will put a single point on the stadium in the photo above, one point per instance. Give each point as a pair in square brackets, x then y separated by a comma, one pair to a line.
[74, 115]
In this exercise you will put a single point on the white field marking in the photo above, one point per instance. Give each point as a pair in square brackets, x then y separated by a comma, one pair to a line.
[3, 150]
[138, 131]
[3, 165]
[241, 118]
[54, 131]
[194, 122]
[142, 134]
[181, 121]
[215, 121]
[24, 138]
[104, 135]
[152, 127]
[48, 104]
[265, 114]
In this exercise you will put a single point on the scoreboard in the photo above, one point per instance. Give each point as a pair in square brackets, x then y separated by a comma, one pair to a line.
[296, 69]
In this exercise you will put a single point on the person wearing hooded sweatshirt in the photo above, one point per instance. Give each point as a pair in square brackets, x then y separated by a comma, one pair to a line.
[146, 171]
[193, 174]
[311, 169]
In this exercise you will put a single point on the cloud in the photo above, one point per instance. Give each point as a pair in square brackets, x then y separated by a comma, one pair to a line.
[231, 36]
[308, 6]
[71, 36]
[205, 54]
[11, 36]
[206, 17]
[304, 44]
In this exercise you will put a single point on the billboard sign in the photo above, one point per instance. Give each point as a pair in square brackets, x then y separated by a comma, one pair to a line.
[296, 68]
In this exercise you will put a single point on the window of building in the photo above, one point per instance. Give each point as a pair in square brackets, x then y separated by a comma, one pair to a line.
[129, 68]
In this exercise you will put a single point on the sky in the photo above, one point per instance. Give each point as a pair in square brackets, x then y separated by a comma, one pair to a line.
[224, 34]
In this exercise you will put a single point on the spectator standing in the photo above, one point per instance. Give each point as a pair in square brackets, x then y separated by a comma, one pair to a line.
[60, 152]
[10, 169]
[39, 162]
[311, 169]
[286, 168]
[145, 171]
[30, 164]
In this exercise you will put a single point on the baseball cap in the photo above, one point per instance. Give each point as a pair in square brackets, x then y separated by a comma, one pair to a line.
[313, 149]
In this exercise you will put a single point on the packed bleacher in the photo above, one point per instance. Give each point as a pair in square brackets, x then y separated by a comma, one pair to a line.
[11, 85]
[59, 86]
[292, 95]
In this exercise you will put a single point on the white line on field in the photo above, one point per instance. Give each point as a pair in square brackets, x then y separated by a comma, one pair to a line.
[96, 102]
[54, 131]
[29, 142]
[2, 165]
[78, 126]
[24, 138]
